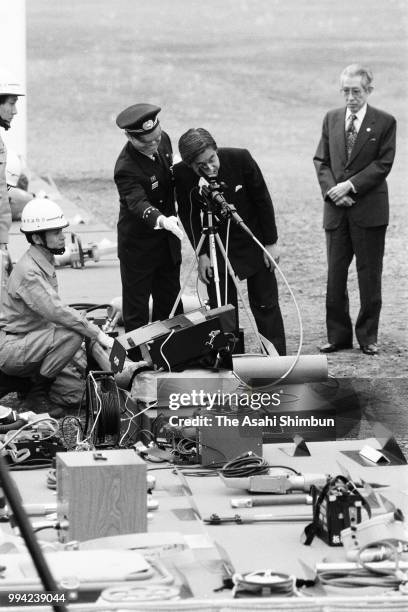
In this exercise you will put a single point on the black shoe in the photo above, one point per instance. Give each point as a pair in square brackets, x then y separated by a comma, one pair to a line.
[38, 393]
[13, 384]
[332, 347]
[369, 349]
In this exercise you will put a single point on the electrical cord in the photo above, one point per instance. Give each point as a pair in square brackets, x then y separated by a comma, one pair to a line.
[249, 464]
[16, 432]
[106, 422]
[161, 348]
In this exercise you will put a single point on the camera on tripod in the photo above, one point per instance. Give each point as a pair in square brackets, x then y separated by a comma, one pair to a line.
[214, 199]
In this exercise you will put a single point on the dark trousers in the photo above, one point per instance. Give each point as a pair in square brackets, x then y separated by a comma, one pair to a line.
[263, 301]
[367, 244]
[153, 275]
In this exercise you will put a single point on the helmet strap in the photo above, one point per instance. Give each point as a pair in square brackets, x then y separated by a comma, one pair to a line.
[45, 246]
[4, 124]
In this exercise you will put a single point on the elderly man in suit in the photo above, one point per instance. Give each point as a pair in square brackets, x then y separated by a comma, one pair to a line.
[354, 156]
[148, 234]
[244, 187]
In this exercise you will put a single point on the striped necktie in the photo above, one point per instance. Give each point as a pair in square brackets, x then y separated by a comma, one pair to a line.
[351, 135]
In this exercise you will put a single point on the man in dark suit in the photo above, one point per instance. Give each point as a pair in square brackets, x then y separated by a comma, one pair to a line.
[243, 186]
[353, 158]
[148, 234]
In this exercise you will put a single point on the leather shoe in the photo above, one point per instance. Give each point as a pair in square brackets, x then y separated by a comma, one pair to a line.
[369, 349]
[332, 347]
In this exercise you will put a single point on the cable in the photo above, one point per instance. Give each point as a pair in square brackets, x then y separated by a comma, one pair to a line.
[161, 348]
[104, 393]
[16, 432]
[249, 464]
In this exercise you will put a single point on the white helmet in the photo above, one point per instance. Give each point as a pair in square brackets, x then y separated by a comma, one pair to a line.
[14, 168]
[42, 214]
[9, 85]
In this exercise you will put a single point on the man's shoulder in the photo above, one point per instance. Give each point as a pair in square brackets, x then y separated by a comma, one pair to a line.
[380, 114]
[334, 113]
[123, 158]
[182, 171]
[233, 152]
[165, 141]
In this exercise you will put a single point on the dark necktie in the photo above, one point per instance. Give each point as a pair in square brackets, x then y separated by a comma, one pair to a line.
[351, 135]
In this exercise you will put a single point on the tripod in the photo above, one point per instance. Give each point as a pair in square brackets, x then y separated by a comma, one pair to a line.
[213, 239]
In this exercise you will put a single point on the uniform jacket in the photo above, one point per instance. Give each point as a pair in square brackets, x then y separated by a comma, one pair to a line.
[246, 189]
[369, 164]
[146, 190]
[5, 211]
[32, 301]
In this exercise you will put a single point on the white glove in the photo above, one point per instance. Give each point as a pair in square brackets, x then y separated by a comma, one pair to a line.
[104, 340]
[170, 224]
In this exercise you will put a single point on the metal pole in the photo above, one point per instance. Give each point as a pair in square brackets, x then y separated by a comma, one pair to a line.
[26, 530]
[13, 59]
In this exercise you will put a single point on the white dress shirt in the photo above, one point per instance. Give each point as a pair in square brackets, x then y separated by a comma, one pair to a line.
[360, 116]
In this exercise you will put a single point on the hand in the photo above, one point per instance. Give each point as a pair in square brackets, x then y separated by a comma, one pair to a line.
[171, 225]
[104, 340]
[205, 271]
[345, 201]
[273, 251]
[339, 190]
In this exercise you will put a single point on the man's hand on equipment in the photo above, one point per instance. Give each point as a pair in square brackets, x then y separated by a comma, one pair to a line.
[339, 190]
[104, 340]
[205, 271]
[171, 225]
[273, 251]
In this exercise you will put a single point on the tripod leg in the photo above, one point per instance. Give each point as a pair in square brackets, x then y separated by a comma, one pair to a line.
[244, 304]
[187, 278]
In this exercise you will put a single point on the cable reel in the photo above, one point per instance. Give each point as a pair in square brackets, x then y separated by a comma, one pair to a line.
[103, 409]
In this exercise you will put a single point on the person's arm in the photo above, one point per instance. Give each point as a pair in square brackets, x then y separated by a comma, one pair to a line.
[42, 299]
[377, 171]
[188, 206]
[322, 162]
[260, 199]
[132, 191]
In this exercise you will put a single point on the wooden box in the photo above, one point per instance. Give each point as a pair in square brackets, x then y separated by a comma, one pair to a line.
[100, 493]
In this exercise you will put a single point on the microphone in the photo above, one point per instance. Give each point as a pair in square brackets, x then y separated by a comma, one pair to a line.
[211, 190]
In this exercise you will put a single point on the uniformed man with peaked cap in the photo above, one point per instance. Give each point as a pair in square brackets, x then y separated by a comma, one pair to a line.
[149, 237]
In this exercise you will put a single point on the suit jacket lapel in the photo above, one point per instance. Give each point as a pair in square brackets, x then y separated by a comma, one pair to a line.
[364, 133]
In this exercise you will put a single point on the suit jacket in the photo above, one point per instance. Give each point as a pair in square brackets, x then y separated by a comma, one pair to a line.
[369, 164]
[247, 191]
[146, 190]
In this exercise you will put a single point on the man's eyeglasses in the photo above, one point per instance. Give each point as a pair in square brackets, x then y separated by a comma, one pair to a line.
[355, 91]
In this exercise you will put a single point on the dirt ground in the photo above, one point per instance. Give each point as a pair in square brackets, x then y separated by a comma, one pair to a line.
[259, 75]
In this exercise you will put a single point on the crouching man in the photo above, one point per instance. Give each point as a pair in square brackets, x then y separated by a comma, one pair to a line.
[39, 335]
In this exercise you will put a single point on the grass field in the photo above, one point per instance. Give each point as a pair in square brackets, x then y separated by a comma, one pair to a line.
[258, 74]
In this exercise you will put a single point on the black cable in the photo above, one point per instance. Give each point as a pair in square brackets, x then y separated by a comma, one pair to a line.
[10, 426]
[103, 408]
[250, 464]
[247, 464]
[51, 526]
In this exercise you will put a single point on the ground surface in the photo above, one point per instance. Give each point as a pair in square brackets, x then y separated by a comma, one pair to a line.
[257, 74]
